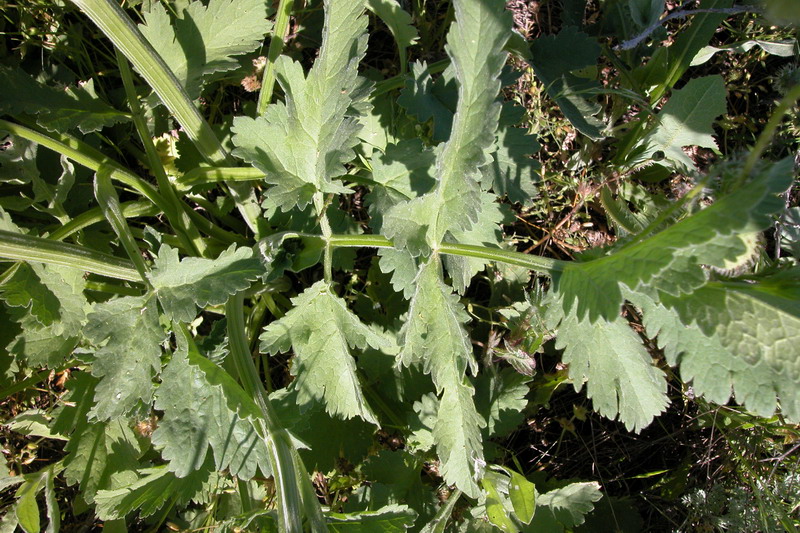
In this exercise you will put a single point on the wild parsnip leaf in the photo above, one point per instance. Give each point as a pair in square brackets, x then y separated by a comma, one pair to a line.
[154, 487]
[555, 60]
[686, 120]
[57, 109]
[322, 330]
[301, 145]
[128, 337]
[27, 290]
[205, 40]
[475, 45]
[511, 172]
[99, 451]
[201, 409]
[434, 335]
[621, 379]
[183, 286]
[671, 260]
[388, 519]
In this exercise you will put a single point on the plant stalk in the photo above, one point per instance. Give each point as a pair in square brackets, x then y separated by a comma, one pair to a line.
[276, 44]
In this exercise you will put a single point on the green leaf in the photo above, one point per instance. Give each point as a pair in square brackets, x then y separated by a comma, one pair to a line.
[60, 289]
[758, 322]
[301, 145]
[495, 509]
[425, 98]
[686, 120]
[511, 172]
[555, 59]
[619, 372]
[154, 487]
[201, 409]
[670, 260]
[98, 451]
[500, 398]
[321, 330]
[57, 110]
[51, 502]
[182, 286]
[128, 336]
[205, 40]
[434, 335]
[26, 508]
[475, 44]
[567, 505]
[389, 519]
[399, 22]
[522, 494]
[713, 370]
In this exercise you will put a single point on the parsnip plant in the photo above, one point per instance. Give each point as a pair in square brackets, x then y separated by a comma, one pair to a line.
[236, 258]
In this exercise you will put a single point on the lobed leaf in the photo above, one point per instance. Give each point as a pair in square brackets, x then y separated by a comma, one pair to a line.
[128, 338]
[205, 40]
[182, 286]
[200, 410]
[301, 145]
[321, 330]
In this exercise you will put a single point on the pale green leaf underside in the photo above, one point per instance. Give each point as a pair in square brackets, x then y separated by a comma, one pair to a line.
[205, 40]
[128, 338]
[321, 330]
[182, 286]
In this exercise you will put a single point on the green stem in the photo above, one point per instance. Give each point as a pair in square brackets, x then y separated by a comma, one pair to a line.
[276, 44]
[283, 457]
[109, 203]
[210, 175]
[321, 206]
[28, 248]
[186, 232]
[95, 215]
[85, 155]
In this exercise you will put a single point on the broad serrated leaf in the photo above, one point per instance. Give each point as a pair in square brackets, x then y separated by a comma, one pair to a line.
[713, 370]
[756, 321]
[128, 338]
[427, 99]
[486, 231]
[511, 172]
[301, 145]
[621, 379]
[322, 330]
[182, 286]
[205, 40]
[671, 260]
[200, 410]
[434, 335]
[150, 492]
[96, 452]
[475, 45]
[555, 59]
[57, 110]
[686, 120]
[26, 290]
